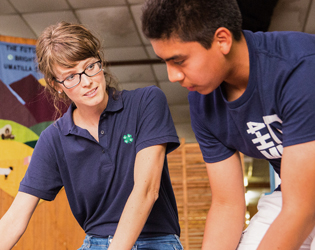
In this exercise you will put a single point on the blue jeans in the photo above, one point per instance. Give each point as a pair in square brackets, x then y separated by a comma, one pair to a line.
[168, 242]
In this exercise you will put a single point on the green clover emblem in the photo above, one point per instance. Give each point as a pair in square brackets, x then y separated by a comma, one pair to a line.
[128, 138]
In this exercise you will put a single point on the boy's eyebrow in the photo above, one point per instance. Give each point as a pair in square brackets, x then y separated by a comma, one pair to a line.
[170, 58]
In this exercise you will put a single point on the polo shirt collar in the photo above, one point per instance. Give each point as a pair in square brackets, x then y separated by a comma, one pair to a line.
[115, 103]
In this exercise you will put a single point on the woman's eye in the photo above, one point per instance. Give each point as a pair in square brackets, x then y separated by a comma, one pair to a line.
[90, 67]
[70, 78]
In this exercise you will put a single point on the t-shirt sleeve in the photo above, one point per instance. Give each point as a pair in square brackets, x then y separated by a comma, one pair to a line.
[42, 178]
[297, 104]
[155, 124]
[213, 150]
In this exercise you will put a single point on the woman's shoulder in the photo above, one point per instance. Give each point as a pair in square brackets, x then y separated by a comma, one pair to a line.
[52, 131]
[145, 97]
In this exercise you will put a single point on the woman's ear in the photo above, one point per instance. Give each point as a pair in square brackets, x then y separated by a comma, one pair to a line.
[56, 87]
[224, 38]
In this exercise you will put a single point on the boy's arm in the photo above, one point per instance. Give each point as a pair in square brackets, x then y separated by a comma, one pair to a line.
[15, 220]
[297, 217]
[225, 220]
[147, 177]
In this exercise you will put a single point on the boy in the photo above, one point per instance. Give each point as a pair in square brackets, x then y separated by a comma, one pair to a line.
[251, 93]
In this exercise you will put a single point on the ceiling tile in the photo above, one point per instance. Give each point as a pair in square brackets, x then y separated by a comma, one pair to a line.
[135, 73]
[135, 1]
[310, 27]
[180, 113]
[160, 72]
[175, 93]
[135, 85]
[6, 8]
[289, 15]
[79, 4]
[125, 53]
[39, 21]
[151, 52]
[25, 6]
[13, 25]
[136, 12]
[113, 24]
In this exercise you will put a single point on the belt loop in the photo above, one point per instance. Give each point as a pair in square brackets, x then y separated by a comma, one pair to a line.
[110, 238]
[88, 241]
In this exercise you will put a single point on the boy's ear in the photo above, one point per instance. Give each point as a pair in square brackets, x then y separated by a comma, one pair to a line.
[224, 38]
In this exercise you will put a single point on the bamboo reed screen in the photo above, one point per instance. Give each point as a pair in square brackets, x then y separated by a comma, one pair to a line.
[191, 186]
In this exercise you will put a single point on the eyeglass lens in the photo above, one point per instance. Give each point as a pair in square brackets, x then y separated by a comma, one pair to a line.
[90, 71]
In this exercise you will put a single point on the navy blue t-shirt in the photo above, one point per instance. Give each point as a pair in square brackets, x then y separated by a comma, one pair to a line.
[276, 110]
[98, 177]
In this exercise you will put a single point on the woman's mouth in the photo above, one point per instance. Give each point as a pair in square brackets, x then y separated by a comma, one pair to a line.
[91, 93]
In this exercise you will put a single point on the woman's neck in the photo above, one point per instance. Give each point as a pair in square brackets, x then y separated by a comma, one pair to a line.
[88, 117]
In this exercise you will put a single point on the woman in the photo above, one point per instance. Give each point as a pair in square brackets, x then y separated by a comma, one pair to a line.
[108, 151]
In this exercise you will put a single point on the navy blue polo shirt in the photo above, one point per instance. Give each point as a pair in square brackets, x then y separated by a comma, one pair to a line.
[98, 176]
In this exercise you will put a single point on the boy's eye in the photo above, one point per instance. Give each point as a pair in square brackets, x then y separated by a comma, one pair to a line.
[179, 62]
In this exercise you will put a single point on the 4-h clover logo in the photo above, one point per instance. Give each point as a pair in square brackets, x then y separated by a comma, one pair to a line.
[128, 138]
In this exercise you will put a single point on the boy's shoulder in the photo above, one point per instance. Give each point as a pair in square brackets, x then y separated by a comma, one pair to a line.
[286, 44]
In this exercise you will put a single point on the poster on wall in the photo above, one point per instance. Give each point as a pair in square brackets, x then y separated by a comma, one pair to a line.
[25, 112]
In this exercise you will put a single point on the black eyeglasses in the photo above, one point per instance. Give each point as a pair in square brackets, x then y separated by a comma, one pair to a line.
[74, 79]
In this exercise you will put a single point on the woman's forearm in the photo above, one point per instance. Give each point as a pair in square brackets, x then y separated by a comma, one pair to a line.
[133, 218]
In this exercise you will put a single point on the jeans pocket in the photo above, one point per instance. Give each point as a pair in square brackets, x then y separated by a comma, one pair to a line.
[179, 245]
[82, 247]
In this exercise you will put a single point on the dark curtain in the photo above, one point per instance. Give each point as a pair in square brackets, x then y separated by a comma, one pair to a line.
[256, 13]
